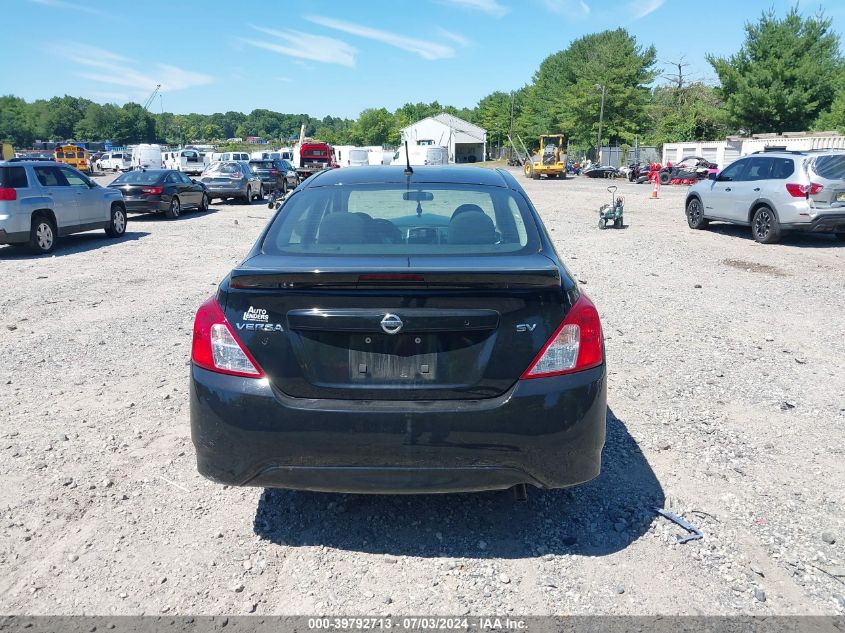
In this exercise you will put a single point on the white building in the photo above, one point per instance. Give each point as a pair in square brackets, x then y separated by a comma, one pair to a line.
[467, 143]
[725, 152]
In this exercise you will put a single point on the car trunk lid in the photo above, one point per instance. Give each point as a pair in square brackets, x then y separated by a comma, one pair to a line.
[396, 328]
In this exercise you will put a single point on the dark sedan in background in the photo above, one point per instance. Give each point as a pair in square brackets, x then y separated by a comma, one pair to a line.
[160, 191]
[276, 175]
[393, 333]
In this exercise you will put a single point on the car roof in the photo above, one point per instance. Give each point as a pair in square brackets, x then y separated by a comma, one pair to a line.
[379, 174]
[31, 161]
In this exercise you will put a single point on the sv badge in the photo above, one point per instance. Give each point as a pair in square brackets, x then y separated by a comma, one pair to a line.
[525, 327]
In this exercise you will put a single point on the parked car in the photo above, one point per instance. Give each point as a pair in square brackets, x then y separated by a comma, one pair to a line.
[775, 192]
[41, 201]
[232, 179]
[114, 161]
[391, 333]
[276, 175]
[160, 191]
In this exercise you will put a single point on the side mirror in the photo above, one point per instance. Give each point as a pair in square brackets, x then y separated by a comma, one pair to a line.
[713, 175]
[193, 181]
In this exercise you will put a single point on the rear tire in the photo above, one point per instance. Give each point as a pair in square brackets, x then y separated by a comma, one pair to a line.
[175, 209]
[42, 235]
[765, 226]
[665, 178]
[204, 202]
[695, 215]
[117, 225]
[260, 196]
[248, 197]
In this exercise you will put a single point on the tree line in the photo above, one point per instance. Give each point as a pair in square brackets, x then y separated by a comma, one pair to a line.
[788, 75]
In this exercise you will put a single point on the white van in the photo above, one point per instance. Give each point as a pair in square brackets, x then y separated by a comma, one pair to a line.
[265, 156]
[186, 160]
[114, 161]
[286, 153]
[147, 156]
[357, 157]
[228, 156]
[422, 155]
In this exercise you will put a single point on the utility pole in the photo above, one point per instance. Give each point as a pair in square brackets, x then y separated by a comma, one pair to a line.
[510, 130]
[601, 120]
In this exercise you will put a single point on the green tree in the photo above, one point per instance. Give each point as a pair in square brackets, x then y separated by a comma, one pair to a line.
[567, 90]
[15, 126]
[785, 74]
[373, 127]
[694, 112]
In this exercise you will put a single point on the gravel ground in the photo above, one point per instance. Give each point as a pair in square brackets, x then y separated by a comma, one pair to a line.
[726, 405]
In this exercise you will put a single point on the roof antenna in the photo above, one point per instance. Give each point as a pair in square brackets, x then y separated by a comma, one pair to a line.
[408, 170]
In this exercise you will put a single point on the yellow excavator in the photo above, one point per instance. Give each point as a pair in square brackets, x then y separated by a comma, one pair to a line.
[549, 160]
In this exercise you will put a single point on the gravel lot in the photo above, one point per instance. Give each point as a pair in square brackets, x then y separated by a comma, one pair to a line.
[726, 405]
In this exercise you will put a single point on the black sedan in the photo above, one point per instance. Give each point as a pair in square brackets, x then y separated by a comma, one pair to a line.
[393, 333]
[160, 191]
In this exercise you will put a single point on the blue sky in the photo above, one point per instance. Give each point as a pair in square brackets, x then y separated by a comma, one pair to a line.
[336, 58]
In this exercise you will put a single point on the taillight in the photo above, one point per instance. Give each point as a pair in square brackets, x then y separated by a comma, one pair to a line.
[8, 193]
[576, 345]
[236, 174]
[802, 191]
[152, 191]
[216, 347]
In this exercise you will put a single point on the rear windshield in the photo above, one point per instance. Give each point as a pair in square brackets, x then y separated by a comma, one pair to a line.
[137, 178]
[13, 178]
[431, 219]
[224, 168]
[263, 164]
[830, 166]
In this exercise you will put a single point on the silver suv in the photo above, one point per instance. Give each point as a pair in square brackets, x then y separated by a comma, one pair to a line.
[774, 192]
[43, 200]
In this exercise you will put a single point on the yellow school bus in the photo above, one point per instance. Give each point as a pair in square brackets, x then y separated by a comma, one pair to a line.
[74, 156]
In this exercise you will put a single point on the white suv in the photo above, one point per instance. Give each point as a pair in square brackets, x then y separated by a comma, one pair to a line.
[774, 192]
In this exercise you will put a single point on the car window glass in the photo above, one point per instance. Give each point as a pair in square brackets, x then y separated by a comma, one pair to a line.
[782, 168]
[759, 168]
[13, 178]
[733, 171]
[441, 219]
[172, 177]
[830, 166]
[50, 177]
[74, 178]
[184, 178]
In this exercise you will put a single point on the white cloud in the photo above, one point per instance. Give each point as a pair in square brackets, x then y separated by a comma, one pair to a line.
[490, 7]
[317, 48]
[61, 4]
[643, 8]
[568, 7]
[455, 37]
[424, 48]
[111, 68]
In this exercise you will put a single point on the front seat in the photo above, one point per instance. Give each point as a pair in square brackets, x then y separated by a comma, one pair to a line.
[466, 208]
[471, 227]
[342, 228]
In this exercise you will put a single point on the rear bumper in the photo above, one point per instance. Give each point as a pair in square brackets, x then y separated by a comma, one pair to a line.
[547, 432]
[153, 205]
[218, 191]
[13, 238]
[822, 223]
